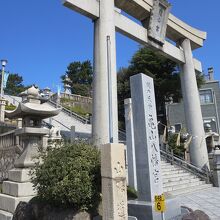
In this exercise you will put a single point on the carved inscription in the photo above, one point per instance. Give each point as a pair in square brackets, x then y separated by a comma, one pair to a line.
[119, 169]
[152, 135]
[121, 203]
[158, 21]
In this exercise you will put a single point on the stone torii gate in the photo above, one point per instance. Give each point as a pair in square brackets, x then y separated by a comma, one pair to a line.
[108, 19]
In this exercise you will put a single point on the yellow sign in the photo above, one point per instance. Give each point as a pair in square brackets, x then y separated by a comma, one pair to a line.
[160, 203]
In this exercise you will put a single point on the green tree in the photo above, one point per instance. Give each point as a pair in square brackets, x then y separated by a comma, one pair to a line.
[80, 77]
[14, 84]
[69, 176]
[166, 79]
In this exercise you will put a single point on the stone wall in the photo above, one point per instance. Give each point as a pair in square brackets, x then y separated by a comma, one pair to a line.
[73, 100]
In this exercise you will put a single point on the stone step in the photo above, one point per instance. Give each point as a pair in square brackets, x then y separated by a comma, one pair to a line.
[190, 189]
[9, 203]
[179, 178]
[183, 186]
[165, 164]
[177, 181]
[171, 175]
[173, 172]
[185, 181]
[5, 215]
[169, 169]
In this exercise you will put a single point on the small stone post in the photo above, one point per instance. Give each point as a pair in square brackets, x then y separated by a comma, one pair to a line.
[72, 134]
[114, 187]
[215, 167]
[19, 122]
[2, 109]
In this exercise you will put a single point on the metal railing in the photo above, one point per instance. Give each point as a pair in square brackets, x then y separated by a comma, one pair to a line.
[204, 174]
[59, 122]
[122, 136]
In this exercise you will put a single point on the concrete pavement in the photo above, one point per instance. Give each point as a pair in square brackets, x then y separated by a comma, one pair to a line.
[206, 200]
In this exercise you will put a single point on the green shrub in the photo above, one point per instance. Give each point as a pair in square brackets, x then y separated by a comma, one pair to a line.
[69, 176]
[77, 109]
[131, 193]
[177, 150]
[10, 107]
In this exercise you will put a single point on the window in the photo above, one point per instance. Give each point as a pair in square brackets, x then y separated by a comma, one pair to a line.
[206, 96]
[210, 124]
[178, 127]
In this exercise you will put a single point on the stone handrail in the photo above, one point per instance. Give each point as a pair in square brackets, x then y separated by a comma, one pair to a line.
[173, 159]
[9, 143]
[7, 139]
[77, 98]
[72, 97]
[14, 100]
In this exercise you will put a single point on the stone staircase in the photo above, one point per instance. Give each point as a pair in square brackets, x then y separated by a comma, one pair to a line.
[178, 181]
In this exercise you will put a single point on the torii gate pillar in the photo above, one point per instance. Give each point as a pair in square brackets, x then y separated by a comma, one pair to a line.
[105, 110]
[192, 109]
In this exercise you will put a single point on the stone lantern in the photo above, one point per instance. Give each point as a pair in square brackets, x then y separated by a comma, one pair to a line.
[32, 111]
[67, 87]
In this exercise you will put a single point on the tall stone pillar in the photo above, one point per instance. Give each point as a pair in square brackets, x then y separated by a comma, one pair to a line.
[132, 175]
[105, 114]
[193, 114]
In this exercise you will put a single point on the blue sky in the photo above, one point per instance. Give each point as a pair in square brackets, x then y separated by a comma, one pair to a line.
[41, 37]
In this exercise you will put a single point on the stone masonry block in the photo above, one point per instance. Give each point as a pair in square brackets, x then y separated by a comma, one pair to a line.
[18, 189]
[5, 215]
[9, 203]
[113, 157]
[19, 175]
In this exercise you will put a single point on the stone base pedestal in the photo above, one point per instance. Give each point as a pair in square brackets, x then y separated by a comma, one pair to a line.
[17, 188]
[145, 210]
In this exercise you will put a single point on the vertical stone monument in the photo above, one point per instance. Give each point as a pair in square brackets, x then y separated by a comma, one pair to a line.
[132, 177]
[147, 151]
[18, 187]
[114, 187]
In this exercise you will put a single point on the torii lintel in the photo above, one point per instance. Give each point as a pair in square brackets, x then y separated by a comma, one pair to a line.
[176, 29]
